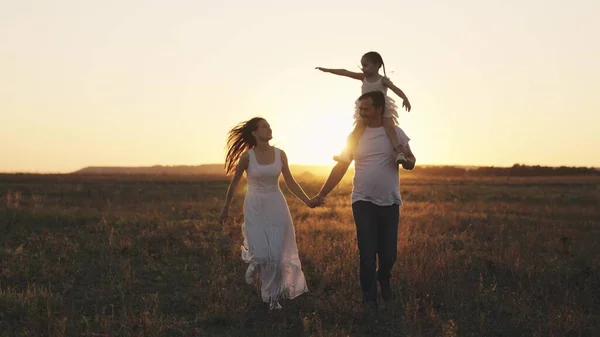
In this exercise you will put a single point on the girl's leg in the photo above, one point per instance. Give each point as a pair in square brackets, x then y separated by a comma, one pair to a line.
[352, 142]
[410, 157]
[390, 130]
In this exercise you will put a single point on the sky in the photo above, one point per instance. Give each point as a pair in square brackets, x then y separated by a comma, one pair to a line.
[148, 82]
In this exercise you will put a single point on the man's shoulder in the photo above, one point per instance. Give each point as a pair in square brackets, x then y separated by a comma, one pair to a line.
[374, 131]
[402, 135]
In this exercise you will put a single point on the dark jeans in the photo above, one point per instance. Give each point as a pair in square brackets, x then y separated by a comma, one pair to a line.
[377, 234]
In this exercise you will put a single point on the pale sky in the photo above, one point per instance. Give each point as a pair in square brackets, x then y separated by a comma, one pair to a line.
[148, 82]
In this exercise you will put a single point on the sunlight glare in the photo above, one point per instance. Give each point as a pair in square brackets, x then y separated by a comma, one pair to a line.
[325, 139]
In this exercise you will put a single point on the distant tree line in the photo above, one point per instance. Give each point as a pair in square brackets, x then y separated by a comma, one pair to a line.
[516, 170]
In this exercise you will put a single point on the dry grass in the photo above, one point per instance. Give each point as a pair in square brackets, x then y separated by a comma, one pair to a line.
[143, 256]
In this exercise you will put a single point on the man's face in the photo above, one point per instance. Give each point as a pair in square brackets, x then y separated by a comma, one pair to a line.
[366, 109]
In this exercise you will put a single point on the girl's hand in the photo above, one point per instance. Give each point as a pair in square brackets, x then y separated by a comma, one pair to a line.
[320, 68]
[406, 105]
[223, 216]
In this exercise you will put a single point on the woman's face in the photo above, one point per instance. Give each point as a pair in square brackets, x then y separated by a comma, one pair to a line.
[263, 131]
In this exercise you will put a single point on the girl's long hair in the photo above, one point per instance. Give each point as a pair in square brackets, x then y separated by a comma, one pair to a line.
[240, 139]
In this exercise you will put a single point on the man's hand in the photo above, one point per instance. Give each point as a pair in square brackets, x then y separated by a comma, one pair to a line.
[316, 201]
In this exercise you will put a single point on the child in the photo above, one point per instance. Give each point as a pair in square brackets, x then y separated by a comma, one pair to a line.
[373, 81]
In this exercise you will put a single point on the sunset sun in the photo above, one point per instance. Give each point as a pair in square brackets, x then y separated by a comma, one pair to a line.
[317, 146]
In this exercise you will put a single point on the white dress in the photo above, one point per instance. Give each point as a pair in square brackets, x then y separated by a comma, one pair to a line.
[391, 109]
[269, 237]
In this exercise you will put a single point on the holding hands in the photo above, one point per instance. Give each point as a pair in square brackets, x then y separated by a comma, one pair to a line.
[316, 201]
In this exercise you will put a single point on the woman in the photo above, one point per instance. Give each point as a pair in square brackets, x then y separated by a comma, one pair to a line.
[269, 238]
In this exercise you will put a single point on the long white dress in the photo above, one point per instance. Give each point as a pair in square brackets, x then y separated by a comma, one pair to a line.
[269, 237]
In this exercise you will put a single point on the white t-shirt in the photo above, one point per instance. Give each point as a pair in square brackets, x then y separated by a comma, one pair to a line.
[376, 172]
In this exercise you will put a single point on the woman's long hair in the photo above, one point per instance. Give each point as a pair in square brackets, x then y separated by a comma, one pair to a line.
[240, 139]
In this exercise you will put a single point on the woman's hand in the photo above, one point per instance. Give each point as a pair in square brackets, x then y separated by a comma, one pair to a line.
[315, 202]
[224, 215]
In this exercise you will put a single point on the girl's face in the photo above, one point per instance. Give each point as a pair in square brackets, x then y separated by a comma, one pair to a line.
[368, 67]
[263, 131]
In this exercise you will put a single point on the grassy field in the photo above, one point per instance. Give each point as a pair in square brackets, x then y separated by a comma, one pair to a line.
[144, 256]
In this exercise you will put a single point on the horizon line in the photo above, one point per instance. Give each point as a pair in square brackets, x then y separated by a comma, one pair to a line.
[291, 165]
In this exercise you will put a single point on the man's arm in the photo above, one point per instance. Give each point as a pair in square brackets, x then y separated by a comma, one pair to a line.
[336, 175]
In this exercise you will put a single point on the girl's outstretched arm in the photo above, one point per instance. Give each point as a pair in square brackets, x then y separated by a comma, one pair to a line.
[343, 72]
[386, 82]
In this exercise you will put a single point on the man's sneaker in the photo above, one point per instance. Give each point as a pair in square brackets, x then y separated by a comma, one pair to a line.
[386, 290]
[369, 312]
[410, 164]
[401, 159]
[250, 273]
[342, 158]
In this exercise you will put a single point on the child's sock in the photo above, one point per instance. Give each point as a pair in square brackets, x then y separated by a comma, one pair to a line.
[400, 156]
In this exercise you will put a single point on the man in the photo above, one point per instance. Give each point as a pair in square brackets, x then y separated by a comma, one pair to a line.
[375, 197]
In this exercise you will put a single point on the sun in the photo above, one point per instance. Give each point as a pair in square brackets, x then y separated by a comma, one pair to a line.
[318, 145]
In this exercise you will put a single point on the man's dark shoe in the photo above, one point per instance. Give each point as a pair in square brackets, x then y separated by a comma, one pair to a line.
[370, 311]
[386, 290]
